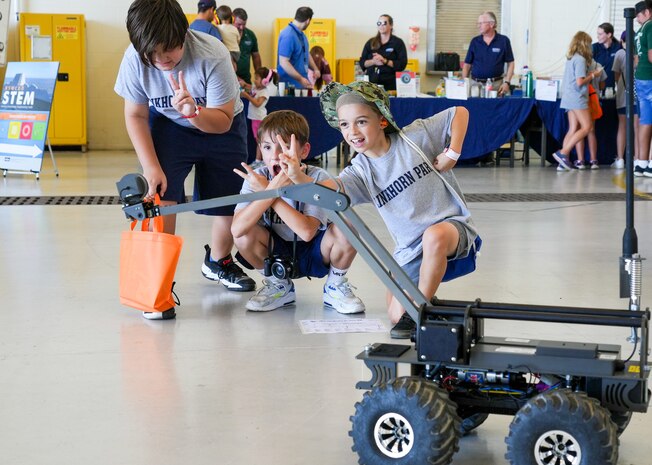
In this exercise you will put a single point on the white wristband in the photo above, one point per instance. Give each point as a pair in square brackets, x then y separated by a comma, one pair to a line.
[452, 154]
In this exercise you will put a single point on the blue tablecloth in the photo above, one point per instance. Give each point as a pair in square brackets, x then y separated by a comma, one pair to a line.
[606, 128]
[492, 122]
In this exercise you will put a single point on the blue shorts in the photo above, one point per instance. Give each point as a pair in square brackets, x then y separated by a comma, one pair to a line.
[644, 93]
[308, 254]
[309, 258]
[214, 157]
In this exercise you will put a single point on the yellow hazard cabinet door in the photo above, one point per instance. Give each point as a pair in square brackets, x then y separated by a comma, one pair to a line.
[62, 38]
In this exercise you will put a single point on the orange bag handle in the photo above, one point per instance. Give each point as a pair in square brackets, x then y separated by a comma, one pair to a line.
[158, 220]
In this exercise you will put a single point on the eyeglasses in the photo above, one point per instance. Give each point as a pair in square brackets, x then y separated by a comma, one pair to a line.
[381, 23]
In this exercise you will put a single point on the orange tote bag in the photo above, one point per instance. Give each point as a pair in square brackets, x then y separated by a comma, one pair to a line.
[594, 104]
[148, 261]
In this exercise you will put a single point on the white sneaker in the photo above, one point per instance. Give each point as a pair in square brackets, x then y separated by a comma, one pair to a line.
[274, 294]
[340, 296]
[618, 164]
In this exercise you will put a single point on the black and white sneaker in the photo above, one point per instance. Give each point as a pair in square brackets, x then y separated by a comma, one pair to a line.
[227, 272]
[639, 171]
[404, 328]
[169, 314]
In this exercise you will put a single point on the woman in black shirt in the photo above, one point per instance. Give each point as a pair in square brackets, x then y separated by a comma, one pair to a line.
[384, 55]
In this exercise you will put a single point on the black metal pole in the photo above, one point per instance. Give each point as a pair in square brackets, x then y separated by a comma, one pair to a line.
[630, 240]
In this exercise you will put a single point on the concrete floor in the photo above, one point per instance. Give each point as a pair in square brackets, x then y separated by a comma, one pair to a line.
[86, 380]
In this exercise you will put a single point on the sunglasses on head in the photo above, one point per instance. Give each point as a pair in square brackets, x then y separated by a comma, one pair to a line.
[381, 23]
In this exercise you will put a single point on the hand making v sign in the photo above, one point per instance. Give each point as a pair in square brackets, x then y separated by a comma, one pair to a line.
[182, 101]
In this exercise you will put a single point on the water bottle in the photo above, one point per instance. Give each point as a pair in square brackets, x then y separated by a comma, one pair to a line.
[488, 88]
[526, 82]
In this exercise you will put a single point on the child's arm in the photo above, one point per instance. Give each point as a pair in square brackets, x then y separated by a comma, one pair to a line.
[303, 225]
[447, 159]
[136, 120]
[255, 101]
[247, 217]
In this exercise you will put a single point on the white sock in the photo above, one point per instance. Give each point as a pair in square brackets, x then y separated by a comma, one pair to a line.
[335, 275]
[641, 163]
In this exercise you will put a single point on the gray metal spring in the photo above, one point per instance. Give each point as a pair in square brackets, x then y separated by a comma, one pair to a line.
[635, 276]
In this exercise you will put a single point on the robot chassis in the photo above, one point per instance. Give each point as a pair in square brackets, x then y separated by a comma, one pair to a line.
[570, 400]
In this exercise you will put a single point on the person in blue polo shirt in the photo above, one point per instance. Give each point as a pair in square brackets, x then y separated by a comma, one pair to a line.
[294, 58]
[205, 17]
[488, 54]
[604, 51]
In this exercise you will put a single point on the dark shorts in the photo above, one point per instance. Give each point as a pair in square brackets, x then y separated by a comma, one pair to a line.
[309, 258]
[623, 110]
[214, 157]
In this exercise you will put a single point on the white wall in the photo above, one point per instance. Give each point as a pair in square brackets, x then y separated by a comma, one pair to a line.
[553, 24]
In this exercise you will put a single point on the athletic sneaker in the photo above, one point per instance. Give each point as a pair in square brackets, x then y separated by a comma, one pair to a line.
[226, 272]
[647, 172]
[639, 170]
[274, 294]
[340, 296]
[618, 164]
[166, 315]
[404, 328]
[595, 165]
[563, 161]
[579, 165]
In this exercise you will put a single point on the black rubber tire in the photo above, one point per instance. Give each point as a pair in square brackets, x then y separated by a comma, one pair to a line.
[414, 407]
[621, 420]
[572, 423]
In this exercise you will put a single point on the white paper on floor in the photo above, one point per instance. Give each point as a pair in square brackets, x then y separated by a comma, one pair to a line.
[348, 325]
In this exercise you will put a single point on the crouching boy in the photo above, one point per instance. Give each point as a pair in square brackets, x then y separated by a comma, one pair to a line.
[274, 224]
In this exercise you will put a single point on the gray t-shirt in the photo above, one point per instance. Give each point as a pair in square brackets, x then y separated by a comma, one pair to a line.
[277, 224]
[619, 66]
[207, 69]
[574, 97]
[409, 196]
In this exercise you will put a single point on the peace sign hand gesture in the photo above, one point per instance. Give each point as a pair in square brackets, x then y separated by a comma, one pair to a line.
[257, 182]
[182, 100]
[290, 158]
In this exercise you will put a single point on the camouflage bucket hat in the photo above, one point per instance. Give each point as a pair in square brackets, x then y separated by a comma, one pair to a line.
[368, 91]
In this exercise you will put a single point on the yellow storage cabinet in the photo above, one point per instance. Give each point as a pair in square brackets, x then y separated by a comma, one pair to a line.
[67, 36]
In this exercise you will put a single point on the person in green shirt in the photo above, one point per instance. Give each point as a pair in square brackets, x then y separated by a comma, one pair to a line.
[248, 48]
[643, 81]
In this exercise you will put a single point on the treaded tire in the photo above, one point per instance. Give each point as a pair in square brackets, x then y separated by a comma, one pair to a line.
[621, 420]
[408, 421]
[574, 425]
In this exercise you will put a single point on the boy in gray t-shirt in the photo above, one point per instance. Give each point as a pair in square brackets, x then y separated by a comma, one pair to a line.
[182, 109]
[424, 212]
